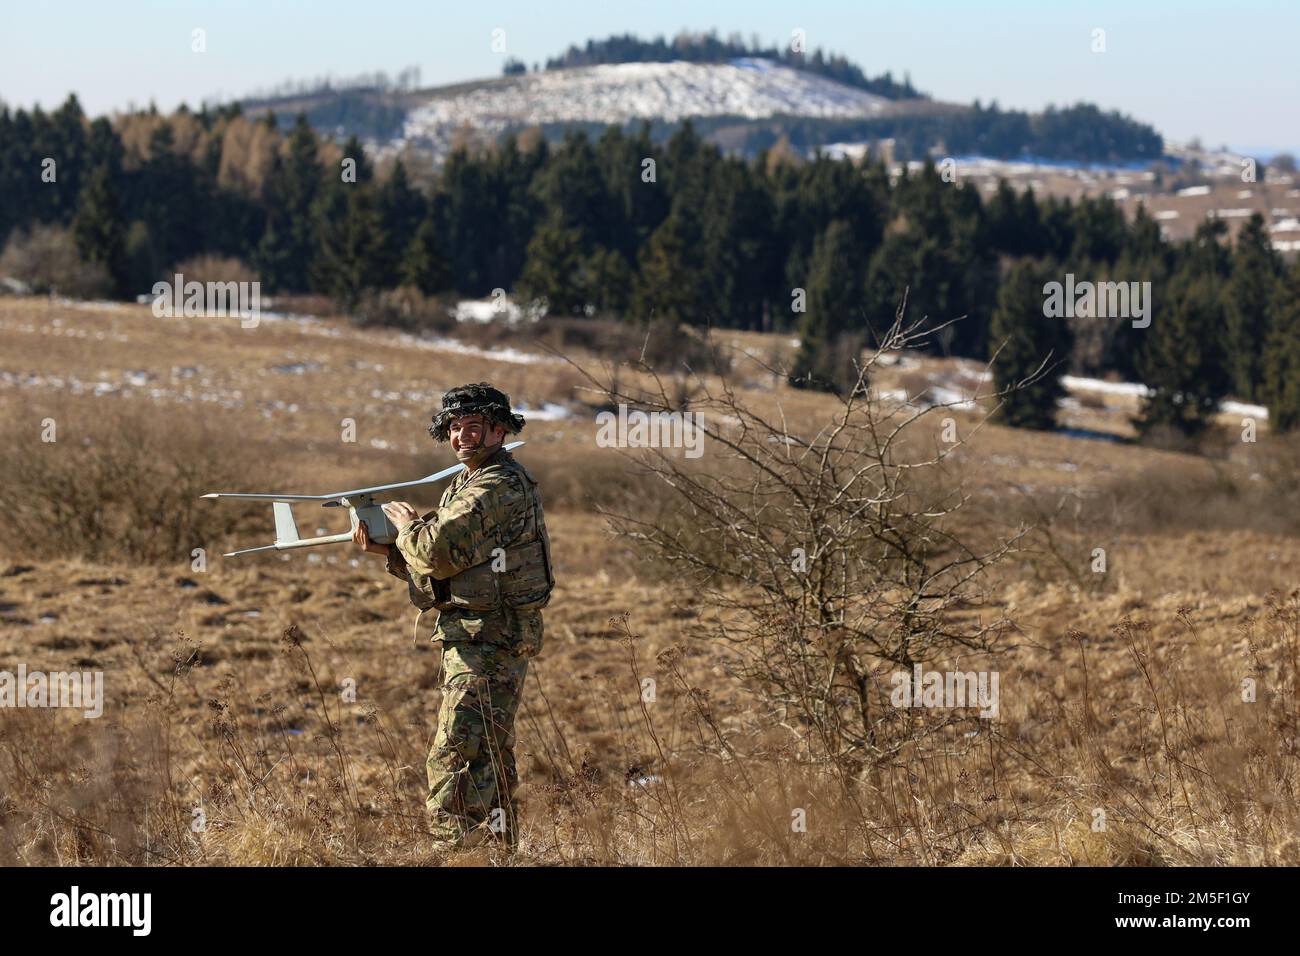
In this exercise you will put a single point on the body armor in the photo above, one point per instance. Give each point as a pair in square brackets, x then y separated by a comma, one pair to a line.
[518, 575]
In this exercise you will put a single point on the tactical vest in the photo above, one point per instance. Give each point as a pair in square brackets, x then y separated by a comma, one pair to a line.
[521, 578]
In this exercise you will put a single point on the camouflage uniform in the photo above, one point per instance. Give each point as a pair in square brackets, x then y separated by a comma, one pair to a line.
[483, 519]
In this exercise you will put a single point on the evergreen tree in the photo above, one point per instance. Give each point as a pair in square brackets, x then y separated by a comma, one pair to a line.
[11, 181]
[610, 281]
[354, 158]
[736, 242]
[1145, 258]
[464, 206]
[824, 190]
[1030, 222]
[42, 203]
[1014, 223]
[1099, 230]
[937, 250]
[1281, 359]
[424, 265]
[100, 231]
[143, 265]
[649, 205]
[670, 283]
[555, 271]
[1255, 271]
[517, 211]
[289, 245]
[401, 211]
[1182, 363]
[1143, 242]
[26, 200]
[572, 190]
[69, 146]
[350, 254]
[831, 334]
[1058, 228]
[270, 257]
[171, 200]
[638, 205]
[1005, 230]
[1029, 349]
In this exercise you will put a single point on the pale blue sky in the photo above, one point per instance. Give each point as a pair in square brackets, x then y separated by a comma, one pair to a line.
[1228, 72]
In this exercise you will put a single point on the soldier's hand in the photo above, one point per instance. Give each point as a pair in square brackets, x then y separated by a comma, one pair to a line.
[400, 513]
[361, 537]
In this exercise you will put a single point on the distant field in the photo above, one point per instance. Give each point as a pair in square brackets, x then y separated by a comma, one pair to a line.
[1121, 690]
[1178, 210]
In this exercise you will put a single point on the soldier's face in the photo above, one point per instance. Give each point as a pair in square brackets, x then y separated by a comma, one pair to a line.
[471, 436]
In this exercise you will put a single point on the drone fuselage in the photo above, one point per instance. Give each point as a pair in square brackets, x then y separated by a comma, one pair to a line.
[363, 508]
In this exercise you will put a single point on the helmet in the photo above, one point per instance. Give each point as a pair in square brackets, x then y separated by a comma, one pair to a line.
[480, 399]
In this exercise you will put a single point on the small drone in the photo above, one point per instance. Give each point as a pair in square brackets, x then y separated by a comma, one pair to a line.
[360, 503]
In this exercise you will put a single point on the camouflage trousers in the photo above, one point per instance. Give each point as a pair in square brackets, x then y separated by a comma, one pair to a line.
[471, 767]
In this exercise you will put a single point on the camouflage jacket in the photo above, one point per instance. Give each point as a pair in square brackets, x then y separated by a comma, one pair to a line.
[494, 507]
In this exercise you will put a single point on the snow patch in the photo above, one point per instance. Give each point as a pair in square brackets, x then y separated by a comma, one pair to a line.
[1078, 384]
[440, 344]
[549, 412]
[1242, 408]
[623, 92]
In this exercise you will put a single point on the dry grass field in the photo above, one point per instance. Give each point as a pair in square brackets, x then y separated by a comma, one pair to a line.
[1122, 737]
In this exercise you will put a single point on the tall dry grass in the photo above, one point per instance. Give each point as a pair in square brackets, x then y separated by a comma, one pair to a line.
[1077, 772]
[1113, 699]
[106, 481]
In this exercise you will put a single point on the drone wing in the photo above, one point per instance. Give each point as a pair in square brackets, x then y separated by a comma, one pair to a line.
[355, 492]
[359, 502]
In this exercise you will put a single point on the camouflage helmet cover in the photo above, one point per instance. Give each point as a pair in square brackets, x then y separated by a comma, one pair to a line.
[479, 399]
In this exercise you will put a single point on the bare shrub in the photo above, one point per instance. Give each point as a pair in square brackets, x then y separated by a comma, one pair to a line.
[407, 309]
[119, 482]
[659, 343]
[210, 268]
[1214, 495]
[823, 559]
[1167, 438]
[556, 384]
[46, 260]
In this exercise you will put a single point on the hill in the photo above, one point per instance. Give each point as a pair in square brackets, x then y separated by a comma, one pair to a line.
[746, 97]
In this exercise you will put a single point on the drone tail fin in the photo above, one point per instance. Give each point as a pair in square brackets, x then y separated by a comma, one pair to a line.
[286, 529]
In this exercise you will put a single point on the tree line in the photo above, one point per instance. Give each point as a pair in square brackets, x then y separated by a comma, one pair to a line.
[625, 227]
[1077, 134]
[709, 48]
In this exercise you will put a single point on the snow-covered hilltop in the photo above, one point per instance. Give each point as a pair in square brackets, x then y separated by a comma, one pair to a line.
[618, 93]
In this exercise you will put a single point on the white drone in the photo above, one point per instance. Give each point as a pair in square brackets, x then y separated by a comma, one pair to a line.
[360, 504]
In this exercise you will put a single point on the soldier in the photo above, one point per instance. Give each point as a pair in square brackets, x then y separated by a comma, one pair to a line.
[482, 561]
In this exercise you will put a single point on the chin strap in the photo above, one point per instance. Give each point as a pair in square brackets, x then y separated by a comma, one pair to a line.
[484, 452]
